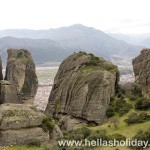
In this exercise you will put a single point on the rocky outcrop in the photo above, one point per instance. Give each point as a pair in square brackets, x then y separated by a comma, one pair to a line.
[19, 124]
[1, 68]
[8, 93]
[70, 123]
[20, 71]
[141, 67]
[83, 87]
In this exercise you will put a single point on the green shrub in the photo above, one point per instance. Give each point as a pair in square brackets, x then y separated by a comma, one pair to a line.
[98, 134]
[93, 62]
[83, 52]
[110, 111]
[137, 118]
[78, 134]
[85, 131]
[132, 118]
[48, 124]
[119, 106]
[142, 104]
[34, 143]
[122, 107]
[73, 136]
[141, 136]
[117, 136]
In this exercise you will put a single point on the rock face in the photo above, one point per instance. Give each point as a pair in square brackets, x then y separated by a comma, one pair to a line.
[19, 124]
[1, 68]
[20, 71]
[8, 93]
[83, 87]
[141, 67]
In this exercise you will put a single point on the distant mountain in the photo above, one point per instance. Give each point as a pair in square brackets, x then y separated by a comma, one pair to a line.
[125, 38]
[132, 39]
[146, 42]
[43, 50]
[66, 40]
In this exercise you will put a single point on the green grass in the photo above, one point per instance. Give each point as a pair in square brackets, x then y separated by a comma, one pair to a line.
[127, 130]
[20, 148]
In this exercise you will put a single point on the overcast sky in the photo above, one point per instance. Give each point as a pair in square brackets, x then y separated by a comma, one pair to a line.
[124, 16]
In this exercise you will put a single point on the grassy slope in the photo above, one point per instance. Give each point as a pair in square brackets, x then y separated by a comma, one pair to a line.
[127, 130]
[20, 148]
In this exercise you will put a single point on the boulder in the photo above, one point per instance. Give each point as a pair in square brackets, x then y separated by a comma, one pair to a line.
[8, 93]
[83, 87]
[70, 123]
[19, 124]
[16, 116]
[22, 136]
[141, 67]
[56, 134]
[20, 71]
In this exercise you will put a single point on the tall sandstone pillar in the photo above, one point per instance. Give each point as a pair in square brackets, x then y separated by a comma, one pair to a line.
[21, 73]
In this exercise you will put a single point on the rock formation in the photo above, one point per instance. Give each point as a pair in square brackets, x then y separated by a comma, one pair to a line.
[83, 87]
[141, 67]
[20, 71]
[8, 93]
[19, 124]
[1, 69]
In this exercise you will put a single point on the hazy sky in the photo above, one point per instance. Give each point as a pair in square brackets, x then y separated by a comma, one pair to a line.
[124, 16]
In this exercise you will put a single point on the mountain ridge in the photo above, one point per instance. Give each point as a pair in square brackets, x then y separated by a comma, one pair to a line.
[70, 39]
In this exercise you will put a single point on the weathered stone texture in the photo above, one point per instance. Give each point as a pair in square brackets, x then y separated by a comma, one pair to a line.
[83, 87]
[8, 93]
[141, 67]
[19, 124]
[20, 71]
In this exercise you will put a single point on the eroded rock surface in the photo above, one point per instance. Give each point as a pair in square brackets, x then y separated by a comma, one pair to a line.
[20, 71]
[8, 93]
[83, 87]
[1, 68]
[19, 124]
[141, 67]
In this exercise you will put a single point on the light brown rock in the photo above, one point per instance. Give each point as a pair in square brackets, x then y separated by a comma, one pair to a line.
[22, 136]
[8, 93]
[1, 69]
[141, 67]
[20, 71]
[19, 124]
[83, 87]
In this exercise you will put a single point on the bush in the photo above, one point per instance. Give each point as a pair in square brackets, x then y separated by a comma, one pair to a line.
[34, 143]
[83, 52]
[137, 118]
[133, 97]
[98, 134]
[143, 136]
[110, 111]
[119, 106]
[117, 136]
[85, 131]
[132, 118]
[142, 104]
[78, 134]
[48, 124]
[94, 61]
[122, 107]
